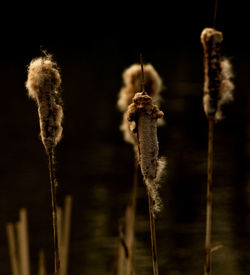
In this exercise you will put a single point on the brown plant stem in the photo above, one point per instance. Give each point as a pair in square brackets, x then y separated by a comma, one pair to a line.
[132, 218]
[207, 269]
[54, 213]
[153, 235]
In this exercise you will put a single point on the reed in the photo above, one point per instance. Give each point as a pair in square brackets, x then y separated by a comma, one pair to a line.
[14, 259]
[19, 245]
[218, 90]
[41, 263]
[42, 84]
[127, 232]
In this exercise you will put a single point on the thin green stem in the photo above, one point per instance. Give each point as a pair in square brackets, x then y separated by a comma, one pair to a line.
[153, 235]
[54, 213]
[207, 269]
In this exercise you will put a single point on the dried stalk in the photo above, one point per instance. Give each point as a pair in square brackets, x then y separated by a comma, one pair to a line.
[14, 260]
[208, 245]
[54, 213]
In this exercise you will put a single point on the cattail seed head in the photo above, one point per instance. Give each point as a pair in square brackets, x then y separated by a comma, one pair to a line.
[144, 114]
[132, 84]
[211, 41]
[132, 81]
[42, 85]
[218, 85]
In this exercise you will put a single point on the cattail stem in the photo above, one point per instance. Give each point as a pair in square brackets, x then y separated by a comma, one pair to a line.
[15, 265]
[54, 213]
[23, 242]
[153, 234]
[207, 270]
[66, 234]
[41, 263]
[132, 219]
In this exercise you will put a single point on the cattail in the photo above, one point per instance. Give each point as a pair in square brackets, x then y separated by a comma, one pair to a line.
[211, 40]
[143, 115]
[42, 84]
[218, 86]
[132, 85]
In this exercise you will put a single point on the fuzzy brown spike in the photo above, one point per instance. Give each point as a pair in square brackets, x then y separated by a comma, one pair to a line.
[42, 84]
[211, 41]
[144, 114]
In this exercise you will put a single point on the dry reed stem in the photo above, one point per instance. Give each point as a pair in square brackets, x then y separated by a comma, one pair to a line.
[127, 233]
[41, 263]
[54, 214]
[66, 234]
[23, 242]
[15, 266]
[153, 235]
[207, 268]
[59, 231]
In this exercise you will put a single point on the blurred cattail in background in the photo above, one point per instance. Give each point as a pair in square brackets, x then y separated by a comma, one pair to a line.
[144, 114]
[218, 89]
[131, 85]
[43, 84]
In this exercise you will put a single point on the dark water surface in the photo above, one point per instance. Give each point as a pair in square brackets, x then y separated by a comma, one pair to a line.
[95, 165]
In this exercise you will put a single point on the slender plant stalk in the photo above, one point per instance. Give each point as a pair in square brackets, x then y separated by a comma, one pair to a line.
[131, 236]
[66, 234]
[153, 236]
[23, 242]
[14, 260]
[41, 263]
[54, 213]
[207, 270]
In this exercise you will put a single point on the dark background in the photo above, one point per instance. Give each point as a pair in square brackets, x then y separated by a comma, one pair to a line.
[92, 45]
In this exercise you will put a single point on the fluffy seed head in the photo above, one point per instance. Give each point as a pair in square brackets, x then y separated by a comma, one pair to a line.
[144, 114]
[226, 87]
[211, 41]
[42, 85]
[132, 84]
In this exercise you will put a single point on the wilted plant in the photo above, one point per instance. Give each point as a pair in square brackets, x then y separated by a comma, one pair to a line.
[43, 84]
[218, 88]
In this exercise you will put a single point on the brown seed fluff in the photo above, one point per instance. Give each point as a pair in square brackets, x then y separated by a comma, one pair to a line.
[42, 85]
[226, 87]
[211, 41]
[143, 115]
[132, 85]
